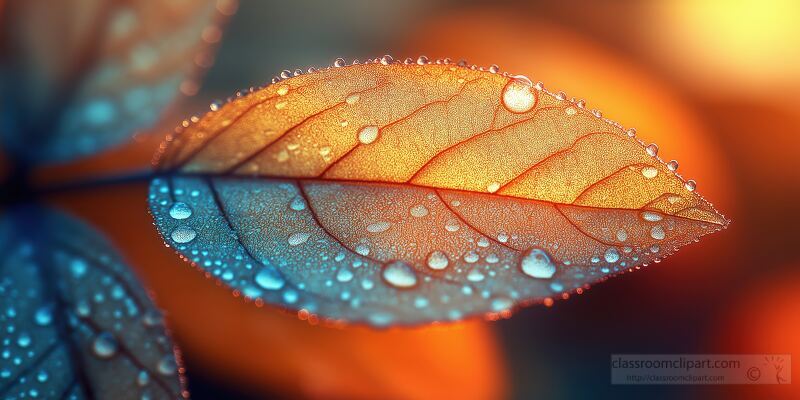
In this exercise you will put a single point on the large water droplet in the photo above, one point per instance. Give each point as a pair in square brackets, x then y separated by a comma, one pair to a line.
[378, 227]
[269, 278]
[399, 275]
[104, 345]
[368, 134]
[536, 263]
[437, 260]
[183, 234]
[298, 238]
[518, 97]
[180, 211]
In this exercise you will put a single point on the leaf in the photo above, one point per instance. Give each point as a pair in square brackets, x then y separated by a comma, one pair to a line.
[78, 77]
[415, 192]
[75, 321]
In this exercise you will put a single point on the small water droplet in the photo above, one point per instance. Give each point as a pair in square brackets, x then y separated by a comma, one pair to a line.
[501, 304]
[143, 378]
[180, 210]
[492, 187]
[344, 275]
[657, 232]
[475, 275]
[362, 249]
[368, 134]
[502, 237]
[452, 225]
[399, 275]
[24, 340]
[418, 211]
[651, 216]
[269, 278]
[652, 149]
[649, 172]
[43, 316]
[672, 165]
[183, 234]
[282, 90]
[518, 97]
[297, 204]
[536, 263]
[104, 345]
[438, 260]
[631, 132]
[167, 366]
[483, 242]
[622, 235]
[42, 376]
[339, 62]
[611, 255]
[352, 99]
[298, 238]
[378, 227]
[494, 68]
[690, 185]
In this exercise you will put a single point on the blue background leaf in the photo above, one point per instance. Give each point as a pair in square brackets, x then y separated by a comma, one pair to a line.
[75, 322]
[108, 70]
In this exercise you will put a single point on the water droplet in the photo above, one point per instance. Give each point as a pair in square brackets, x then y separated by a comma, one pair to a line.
[344, 275]
[649, 172]
[352, 99]
[652, 149]
[24, 340]
[167, 366]
[82, 308]
[368, 134]
[690, 185]
[43, 316]
[421, 302]
[502, 237]
[611, 255]
[151, 318]
[657, 232]
[475, 275]
[561, 96]
[501, 304]
[418, 211]
[494, 68]
[399, 275]
[298, 238]
[362, 249]
[536, 263]
[471, 257]
[386, 60]
[518, 97]
[269, 278]
[42, 376]
[339, 62]
[378, 227]
[631, 132]
[281, 105]
[492, 187]
[622, 235]
[282, 90]
[183, 234]
[483, 242]
[180, 211]
[104, 345]
[672, 165]
[438, 260]
[297, 204]
[143, 378]
[651, 216]
[422, 60]
[452, 225]
[78, 267]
